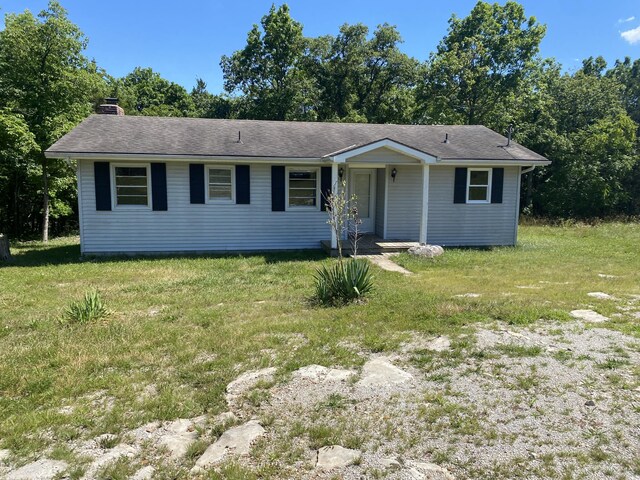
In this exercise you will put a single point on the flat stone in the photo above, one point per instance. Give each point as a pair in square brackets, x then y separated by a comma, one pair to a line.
[111, 455]
[589, 316]
[180, 434]
[381, 372]
[145, 473]
[336, 456]
[428, 471]
[468, 295]
[225, 417]
[4, 454]
[43, 469]
[391, 464]
[604, 275]
[601, 296]
[235, 441]
[318, 374]
[249, 380]
[385, 263]
[440, 344]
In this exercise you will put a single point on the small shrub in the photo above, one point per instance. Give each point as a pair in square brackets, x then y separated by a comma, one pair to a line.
[88, 310]
[343, 282]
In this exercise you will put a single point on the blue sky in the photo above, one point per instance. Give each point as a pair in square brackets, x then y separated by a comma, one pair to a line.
[184, 40]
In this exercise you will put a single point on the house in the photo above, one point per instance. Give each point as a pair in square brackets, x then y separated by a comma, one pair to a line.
[151, 184]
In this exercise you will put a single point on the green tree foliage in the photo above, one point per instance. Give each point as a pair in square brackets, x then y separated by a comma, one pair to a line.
[19, 175]
[480, 65]
[267, 70]
[45, 77]
[208, 105]
[145, 92]
[362, 79]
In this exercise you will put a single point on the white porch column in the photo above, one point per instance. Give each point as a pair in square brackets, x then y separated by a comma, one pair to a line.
[425, 204]
[334, 190]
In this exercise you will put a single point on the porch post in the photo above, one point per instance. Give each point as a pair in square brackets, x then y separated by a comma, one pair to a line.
[334, 190]
[425, 204]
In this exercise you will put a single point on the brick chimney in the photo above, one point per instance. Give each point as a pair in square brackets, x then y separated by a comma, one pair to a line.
[110, 107]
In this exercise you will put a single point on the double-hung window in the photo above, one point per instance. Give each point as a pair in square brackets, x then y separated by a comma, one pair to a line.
[479, 185]
[131, 183]
[220, 180]
[302, 188]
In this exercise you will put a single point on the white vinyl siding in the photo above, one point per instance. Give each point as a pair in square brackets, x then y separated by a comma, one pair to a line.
[404, 203]
[220, 184]
[130, 185]
[187, 227]
[480, 224]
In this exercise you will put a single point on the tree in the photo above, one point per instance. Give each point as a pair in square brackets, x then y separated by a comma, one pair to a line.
[145, 92]
[267, 73]
[479, 66]
[361, 79]
[18, 174]
[208, 105]
[45, 77]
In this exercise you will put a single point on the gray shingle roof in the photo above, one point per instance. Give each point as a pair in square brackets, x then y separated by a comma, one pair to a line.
[110, 134]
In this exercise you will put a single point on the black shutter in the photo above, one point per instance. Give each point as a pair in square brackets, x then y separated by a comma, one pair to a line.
[460, 186]
[159, 186]
[277, 188]
[102, 178]
[196, 182]
[497, 184]
[325, 187]
[243, 184]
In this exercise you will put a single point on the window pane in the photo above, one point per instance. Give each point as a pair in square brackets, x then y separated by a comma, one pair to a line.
[303, 187]
[302, 202]
[302, 183]
[132, 200]
[131, 186]
[478, 193]
[302, 175]
[128, 191]
[220, 192]
[220, 187]
[479, 177]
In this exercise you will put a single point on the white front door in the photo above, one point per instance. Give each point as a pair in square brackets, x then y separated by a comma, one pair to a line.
[363, 186]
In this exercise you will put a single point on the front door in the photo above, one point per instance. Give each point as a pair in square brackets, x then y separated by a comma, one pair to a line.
[363, 186]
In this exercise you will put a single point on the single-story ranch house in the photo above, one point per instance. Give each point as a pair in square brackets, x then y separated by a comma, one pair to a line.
[150, 184]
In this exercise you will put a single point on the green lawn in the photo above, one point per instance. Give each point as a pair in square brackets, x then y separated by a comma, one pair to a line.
[190, 325]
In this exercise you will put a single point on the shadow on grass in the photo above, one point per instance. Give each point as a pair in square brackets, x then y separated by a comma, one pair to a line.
[39, 255]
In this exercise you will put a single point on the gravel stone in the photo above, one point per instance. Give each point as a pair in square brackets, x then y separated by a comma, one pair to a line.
[43, 469]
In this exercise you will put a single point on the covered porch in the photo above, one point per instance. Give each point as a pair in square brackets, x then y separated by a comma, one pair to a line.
[390, 182]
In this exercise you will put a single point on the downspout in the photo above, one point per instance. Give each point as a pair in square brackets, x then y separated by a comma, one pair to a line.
[527, 170]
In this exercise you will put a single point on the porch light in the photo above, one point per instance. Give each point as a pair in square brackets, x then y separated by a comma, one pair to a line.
[394, 172]
[340, 172]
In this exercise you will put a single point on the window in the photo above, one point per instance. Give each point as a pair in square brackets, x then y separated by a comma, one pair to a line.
[220, 182]
[302, 188]
[479, 185]
[131, 185]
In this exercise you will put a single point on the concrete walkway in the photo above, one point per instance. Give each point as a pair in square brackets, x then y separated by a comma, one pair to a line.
[384, 261]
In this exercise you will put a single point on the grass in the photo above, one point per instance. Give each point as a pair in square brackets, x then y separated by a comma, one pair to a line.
[247, 312]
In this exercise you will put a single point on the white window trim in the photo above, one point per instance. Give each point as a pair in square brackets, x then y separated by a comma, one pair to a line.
[219, 201]
[114, 195]
[316, 207]
[490, 170]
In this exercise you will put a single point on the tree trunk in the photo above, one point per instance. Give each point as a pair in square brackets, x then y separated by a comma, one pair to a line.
[45, 205]
[5, 254]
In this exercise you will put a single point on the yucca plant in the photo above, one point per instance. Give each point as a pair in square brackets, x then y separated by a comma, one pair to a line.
[343, 282]
[88, 310]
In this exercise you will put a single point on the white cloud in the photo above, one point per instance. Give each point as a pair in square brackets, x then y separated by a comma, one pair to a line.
[626, 20]
[632, 36]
